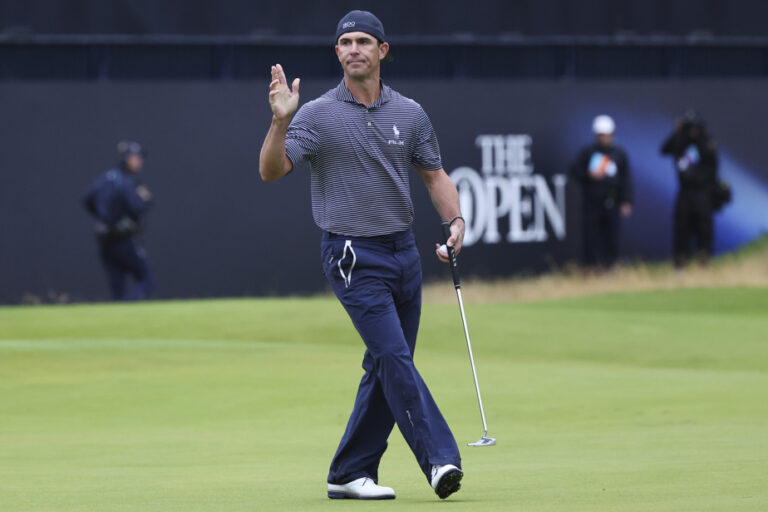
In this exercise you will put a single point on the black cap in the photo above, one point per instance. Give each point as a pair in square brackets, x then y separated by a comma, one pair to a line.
[129, 147]
[690, 116]
[360, 21]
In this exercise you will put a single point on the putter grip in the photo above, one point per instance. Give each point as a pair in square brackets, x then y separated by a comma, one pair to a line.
[451, 255]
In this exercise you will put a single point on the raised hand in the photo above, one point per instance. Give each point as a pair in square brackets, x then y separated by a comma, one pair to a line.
[282, 99]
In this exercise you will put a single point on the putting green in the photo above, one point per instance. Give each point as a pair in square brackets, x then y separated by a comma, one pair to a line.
[645, 401]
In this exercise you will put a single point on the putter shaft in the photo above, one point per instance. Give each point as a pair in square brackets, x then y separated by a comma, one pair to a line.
[485, 440]
[472, 360]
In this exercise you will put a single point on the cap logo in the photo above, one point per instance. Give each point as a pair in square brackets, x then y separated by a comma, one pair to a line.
[348, 24]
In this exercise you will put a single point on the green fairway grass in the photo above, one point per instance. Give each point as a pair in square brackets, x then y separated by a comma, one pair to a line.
[653, 401]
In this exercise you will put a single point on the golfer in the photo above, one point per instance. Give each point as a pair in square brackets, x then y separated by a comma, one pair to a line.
[361, 139]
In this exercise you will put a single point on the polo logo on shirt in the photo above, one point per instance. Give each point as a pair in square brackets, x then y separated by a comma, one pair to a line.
[396, 141]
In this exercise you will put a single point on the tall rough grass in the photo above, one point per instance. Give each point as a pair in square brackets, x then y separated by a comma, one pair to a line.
[746, 267]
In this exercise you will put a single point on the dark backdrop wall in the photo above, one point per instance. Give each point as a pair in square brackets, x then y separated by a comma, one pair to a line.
[216, 230]
[430, 17]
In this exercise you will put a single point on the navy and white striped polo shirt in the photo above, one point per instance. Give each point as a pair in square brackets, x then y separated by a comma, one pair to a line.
[360, 158]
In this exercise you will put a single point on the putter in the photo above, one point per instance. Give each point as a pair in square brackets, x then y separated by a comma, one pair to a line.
[485, 440]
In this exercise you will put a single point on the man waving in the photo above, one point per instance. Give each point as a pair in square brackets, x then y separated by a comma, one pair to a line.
[361, 139]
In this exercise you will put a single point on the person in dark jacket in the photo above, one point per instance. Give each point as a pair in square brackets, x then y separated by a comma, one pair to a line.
[118, 202]
[602, 170]
[695, 157]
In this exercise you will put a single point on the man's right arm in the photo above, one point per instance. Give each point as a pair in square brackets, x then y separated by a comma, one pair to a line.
[670, 145]
[273, 162]
[89, 201]
[579, 166]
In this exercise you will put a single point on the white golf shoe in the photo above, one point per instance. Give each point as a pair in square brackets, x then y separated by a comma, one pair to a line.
[446, 480]
[360, 489]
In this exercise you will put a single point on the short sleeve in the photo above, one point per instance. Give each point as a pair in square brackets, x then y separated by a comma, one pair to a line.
[426, 152]
[301, 139]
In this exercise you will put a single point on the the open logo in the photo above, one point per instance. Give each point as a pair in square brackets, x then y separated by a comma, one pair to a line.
[507, 200]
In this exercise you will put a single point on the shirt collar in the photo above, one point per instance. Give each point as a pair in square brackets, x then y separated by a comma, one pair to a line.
[343, 94]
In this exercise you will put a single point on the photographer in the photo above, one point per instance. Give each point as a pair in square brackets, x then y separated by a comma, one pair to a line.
[118, 202]
[695, 157]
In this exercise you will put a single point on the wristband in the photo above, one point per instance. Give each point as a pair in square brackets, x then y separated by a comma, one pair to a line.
[450, 222]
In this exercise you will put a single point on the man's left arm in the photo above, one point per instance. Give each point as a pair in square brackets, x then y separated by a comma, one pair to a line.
[709, 156]
[626, 189]
[137, 198]
[445, 197]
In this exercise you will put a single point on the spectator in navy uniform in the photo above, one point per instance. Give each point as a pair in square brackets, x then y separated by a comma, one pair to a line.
[602, 170]
[118, 202]
[695, 156]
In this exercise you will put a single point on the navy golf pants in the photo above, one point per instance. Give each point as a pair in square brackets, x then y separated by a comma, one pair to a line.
[378, 280]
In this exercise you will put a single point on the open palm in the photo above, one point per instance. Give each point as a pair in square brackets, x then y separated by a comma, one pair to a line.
[282, 99]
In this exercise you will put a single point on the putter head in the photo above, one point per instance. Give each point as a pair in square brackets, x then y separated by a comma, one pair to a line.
[484, 441]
